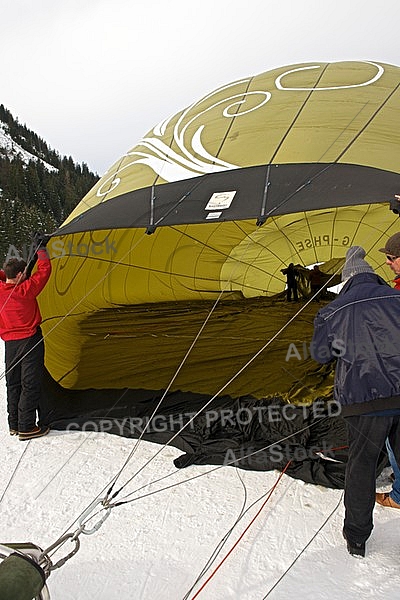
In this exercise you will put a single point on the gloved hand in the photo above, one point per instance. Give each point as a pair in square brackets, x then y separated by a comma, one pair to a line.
[40, 240]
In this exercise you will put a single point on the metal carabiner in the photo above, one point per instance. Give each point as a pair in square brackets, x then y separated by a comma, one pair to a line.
[88, 511]
[44, 558]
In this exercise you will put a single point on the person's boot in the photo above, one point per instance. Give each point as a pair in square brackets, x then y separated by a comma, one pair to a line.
[385, 500]
[33, 433]
[354, 548]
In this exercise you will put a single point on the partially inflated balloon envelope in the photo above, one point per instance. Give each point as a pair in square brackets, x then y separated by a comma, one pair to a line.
[167, 276]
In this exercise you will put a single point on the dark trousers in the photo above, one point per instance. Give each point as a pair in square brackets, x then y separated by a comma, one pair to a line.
[367, 435]
[291, 288]
[24, 372]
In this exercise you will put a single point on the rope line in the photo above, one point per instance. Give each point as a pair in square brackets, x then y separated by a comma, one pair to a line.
[79, 302]
[192, 478]
[304, 549]
[217, 549]
[217, 468]
[242, 534]
[204, 407]
[237, 374]
[14, 471]
[197, 336]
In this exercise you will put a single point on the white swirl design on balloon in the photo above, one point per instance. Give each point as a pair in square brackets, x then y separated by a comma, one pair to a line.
[193, 159]
[324, 89]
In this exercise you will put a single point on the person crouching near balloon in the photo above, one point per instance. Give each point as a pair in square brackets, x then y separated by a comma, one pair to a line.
[360, 330]
[20, 321]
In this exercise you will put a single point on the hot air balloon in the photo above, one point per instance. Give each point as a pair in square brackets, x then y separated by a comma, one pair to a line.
[167, 277]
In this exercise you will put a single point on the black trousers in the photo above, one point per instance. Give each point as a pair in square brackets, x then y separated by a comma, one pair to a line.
[367, 435]
[24, 372]
[291, 288]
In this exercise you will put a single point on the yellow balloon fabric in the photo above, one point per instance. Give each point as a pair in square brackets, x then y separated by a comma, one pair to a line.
[195, 223]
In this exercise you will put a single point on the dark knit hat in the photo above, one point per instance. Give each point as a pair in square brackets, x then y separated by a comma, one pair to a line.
[355, 263]
[392, 246]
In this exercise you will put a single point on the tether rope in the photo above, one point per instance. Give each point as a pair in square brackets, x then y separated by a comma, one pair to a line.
[125, 500]
[179, 368]
[224, 387]
[117, 475]
[325, 285]
[217, 549]
[207, 403]
[251, 360]
[255, 356]
[194, 477]
[242, 534]
[172, 381]
[117, 401]
[14, 471]
[225, 538]
[304, 549]
[82, 299]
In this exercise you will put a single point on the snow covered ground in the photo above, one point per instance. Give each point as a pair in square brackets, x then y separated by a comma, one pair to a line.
[157, 546]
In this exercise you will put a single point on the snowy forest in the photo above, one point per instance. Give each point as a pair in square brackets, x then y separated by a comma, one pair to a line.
[38, 187]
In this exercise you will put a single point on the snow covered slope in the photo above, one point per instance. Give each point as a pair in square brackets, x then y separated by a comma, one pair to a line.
[12, 149]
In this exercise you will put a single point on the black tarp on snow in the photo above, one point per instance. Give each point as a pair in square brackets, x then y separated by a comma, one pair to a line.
[249, 433]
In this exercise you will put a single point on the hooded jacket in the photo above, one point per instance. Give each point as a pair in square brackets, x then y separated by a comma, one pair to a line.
[361, 330]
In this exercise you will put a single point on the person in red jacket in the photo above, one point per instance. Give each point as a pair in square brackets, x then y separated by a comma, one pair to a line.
[20, 321]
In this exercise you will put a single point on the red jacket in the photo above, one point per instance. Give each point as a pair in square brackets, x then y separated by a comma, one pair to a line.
[19, 310]
[396, 281]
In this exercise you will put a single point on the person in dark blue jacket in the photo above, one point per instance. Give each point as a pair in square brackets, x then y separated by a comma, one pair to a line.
[360, 329]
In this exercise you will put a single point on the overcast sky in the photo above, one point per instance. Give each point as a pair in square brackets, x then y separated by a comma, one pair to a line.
[91, 77]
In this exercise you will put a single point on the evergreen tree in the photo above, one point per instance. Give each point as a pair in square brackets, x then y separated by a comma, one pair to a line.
[33, 197]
